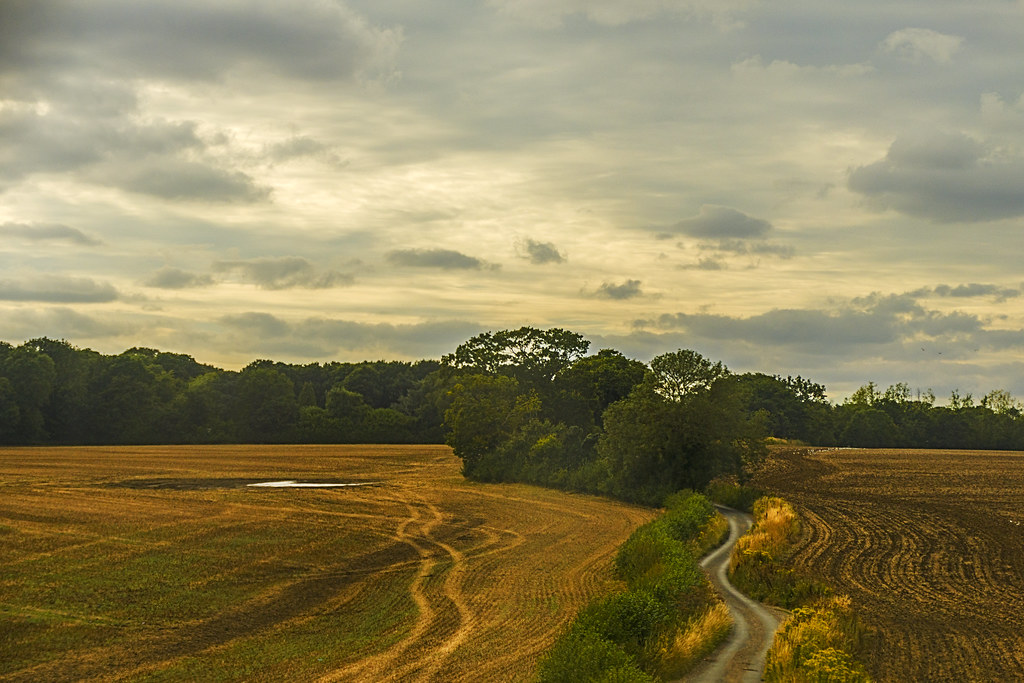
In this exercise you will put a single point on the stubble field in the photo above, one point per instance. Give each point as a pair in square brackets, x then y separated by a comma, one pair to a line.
[160, 563]
[929, 545]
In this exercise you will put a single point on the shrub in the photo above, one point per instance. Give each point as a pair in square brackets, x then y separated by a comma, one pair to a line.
[655, 625]
[816, 644]
[584, 655]
[731, 494]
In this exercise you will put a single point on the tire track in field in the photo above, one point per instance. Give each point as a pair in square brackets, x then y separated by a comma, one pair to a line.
[440, 608]
[551, 584]
[453, 591]
[377, 664]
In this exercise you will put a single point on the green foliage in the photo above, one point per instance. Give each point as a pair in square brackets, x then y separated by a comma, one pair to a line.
[528, 354]
[731, 494]
[682, 373]
[626, 633]
[870, 428]
[52, 392]
[583, 656]
[484, 412]
[817, 644]
[759, 562]
[653, 445]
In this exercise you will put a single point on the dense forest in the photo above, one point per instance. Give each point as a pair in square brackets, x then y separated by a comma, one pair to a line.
[526, 404]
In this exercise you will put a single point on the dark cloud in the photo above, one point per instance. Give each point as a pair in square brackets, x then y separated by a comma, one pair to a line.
[262, 333]
[175, 278]
[299, 147]
[630, 289]
[945, 178]
[445, 259]
[975, 289]
[70, 74]
[873, 321]
[178, 179]
[283, 273]
[57, 289]
[60, 322]
[723, 223]
[540, 253]
[157, 158]
[261, 325]
[315, 41]
[40, 232]
[705, 264]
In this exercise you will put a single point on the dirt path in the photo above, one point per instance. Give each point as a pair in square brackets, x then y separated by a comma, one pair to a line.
[741, 656]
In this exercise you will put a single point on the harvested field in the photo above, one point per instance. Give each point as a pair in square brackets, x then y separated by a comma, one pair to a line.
[930, 546]
[161, 563]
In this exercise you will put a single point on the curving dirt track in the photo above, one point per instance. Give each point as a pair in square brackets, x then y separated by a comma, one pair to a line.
[158, 563]
[928, 544]
[740, 659]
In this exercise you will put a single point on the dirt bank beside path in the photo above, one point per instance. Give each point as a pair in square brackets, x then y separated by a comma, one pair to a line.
[741, 657]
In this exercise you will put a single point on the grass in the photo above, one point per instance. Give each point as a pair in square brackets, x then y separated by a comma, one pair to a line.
[99, 580]
[697, 639]
[817, 644]
[664, 620]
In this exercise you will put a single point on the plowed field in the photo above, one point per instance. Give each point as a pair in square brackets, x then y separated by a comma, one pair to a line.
[160, 563]
[930, 546]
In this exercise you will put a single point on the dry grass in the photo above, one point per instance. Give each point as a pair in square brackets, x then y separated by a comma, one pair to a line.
[192, 575]
[698, 639]
[775, 528]
[816, 644]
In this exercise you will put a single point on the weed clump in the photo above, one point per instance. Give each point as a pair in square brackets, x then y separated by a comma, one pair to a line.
[815, 644]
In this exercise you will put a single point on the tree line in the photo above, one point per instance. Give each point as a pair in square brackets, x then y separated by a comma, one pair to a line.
[526, 404]
[54, 393]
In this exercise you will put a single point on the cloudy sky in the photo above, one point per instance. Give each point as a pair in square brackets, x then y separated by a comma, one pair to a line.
[825, 188]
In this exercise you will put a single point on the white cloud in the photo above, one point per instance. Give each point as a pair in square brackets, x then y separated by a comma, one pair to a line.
[920, 44]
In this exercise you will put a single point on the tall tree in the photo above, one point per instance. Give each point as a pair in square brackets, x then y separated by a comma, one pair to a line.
[529, 354]
[684, 372]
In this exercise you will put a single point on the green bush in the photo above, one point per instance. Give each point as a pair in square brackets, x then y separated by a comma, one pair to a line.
[584, 656]
[731, 494]
[665, 587]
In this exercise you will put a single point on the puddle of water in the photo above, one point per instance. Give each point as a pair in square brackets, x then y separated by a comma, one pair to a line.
[290, 484]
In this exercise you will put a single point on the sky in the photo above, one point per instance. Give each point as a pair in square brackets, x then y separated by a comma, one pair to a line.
[827, 189]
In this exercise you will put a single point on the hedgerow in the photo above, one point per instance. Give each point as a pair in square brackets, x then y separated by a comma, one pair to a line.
[650, 630]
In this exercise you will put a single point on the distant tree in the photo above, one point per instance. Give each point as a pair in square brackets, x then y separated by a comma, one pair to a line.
[600, 380]
[307, 395]
[266, 404]
[483, 412]
[65, 412]
[684, 372]
[10, 414]
[31, 375]
[349, 410]
[529, 354]
[1001, 402]
[870, 428]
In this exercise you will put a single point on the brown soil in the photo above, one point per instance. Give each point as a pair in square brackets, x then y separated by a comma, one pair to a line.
[929, 545]
[158, 562]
